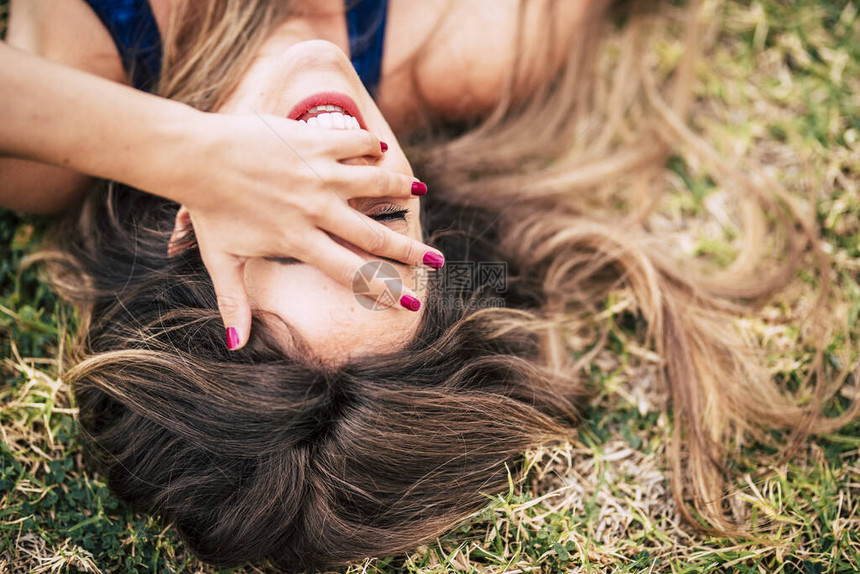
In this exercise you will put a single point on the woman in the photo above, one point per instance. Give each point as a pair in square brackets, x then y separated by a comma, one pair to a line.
[315, 454]
[61, 126]
[52, 112]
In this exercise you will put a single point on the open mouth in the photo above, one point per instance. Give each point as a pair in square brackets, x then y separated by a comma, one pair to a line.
[328, 110]
[330, 116]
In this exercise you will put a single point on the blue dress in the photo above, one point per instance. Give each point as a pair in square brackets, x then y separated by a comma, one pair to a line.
[134, 30]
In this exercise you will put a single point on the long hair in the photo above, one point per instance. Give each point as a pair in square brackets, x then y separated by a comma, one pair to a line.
[259, 454]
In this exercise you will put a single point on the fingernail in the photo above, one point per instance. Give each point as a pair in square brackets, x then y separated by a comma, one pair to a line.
[419, 188]
[383, 146]
[434, 260]
[232, 338]
[410, 302]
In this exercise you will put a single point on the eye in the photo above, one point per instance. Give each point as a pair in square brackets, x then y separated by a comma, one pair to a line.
[389, 213]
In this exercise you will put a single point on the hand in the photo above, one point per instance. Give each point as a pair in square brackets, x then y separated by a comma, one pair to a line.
[271, 187]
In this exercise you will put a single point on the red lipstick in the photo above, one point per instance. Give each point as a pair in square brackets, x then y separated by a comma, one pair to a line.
[327, 98]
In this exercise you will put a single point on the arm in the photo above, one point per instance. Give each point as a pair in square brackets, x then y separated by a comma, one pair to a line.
[230, 171]
[68, 33]
[56, 115]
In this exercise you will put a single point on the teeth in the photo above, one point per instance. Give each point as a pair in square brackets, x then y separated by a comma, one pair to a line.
[334, 120]
[324, 121]
[331, 117]
[326, 108]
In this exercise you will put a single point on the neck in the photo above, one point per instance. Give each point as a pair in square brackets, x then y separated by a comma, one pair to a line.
[315, 20]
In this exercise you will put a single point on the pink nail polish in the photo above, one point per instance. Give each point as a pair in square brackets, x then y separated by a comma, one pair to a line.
[410, 302]
[232, 338]
[419, 188]
[383, 146]
[433, 260]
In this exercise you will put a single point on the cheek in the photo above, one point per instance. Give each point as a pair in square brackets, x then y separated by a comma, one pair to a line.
[335, 323]
[299, 292]
[255, 91]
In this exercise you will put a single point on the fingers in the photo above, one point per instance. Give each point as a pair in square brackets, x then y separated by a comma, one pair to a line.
[378, 239]
[377, 285]
[335, 143]
[345, 144]
[228, 278]
[179, 237]
[372, 181]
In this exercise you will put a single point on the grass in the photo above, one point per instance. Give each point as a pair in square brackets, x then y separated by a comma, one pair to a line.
[781, 88]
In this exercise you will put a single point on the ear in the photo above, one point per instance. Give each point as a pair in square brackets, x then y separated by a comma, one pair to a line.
[179, 240]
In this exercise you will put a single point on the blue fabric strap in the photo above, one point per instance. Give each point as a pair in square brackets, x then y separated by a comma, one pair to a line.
[135, 32]
[365, 23]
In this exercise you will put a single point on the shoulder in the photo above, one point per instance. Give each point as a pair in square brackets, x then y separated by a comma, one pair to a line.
[67, 32]
[459, 54]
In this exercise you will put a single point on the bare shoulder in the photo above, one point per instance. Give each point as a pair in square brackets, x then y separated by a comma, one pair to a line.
[67, 32]
[459, 53]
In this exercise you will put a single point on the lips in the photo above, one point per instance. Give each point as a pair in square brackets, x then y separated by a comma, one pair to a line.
[316, 105]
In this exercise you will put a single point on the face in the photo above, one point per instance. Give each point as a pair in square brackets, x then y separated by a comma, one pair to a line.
[334, 322]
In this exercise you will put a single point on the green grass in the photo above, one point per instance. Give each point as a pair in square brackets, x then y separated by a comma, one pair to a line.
[781, 87]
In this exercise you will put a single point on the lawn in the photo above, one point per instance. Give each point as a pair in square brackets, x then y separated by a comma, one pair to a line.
[779, 89]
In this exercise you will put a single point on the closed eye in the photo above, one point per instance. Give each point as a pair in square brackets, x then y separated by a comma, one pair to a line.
[390, 214]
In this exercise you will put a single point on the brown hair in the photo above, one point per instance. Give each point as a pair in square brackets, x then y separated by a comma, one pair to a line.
[258, 455]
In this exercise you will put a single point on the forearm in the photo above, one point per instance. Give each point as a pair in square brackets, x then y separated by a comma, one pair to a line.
[57, 115]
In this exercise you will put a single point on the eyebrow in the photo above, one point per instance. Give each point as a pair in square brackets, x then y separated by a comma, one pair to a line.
[283, 260]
